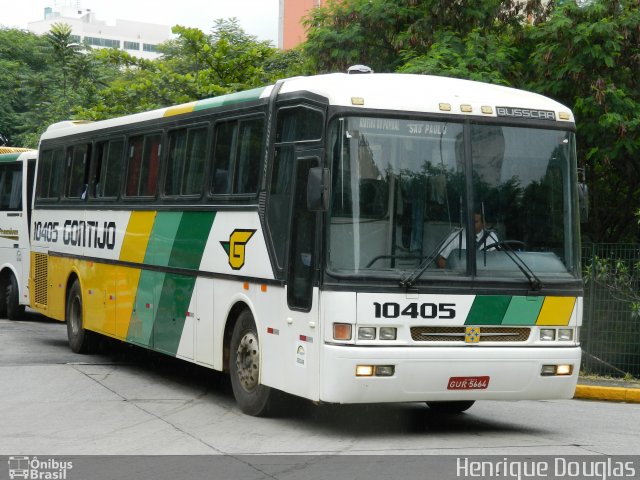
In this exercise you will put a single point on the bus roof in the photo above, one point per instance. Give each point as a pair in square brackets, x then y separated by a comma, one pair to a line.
[380, 91]
[24, 154]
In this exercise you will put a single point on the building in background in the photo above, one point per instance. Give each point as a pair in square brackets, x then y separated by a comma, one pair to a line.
[291, 32]
[136, 38]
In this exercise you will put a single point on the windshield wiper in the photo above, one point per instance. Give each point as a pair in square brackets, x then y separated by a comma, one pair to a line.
[534, 280]
[417, 273]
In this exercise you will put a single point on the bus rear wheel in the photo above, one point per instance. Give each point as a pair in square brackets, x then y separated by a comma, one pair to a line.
[451, 407]
[244, 367]
[79, 338]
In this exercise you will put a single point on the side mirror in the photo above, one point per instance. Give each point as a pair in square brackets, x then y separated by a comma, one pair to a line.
[583, 202]
[318, 189]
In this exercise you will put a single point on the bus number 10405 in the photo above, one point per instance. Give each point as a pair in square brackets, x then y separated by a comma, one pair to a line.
[415, 310]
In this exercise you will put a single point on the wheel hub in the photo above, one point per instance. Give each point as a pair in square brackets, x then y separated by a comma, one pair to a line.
[248, 361]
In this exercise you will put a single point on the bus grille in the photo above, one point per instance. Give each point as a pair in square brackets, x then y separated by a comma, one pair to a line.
[41, 279]
[457, 334]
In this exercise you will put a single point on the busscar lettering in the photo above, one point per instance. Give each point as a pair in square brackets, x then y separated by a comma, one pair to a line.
[528, 113]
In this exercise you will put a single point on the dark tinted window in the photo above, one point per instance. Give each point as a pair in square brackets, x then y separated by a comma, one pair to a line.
[49, 168]
[11, 187]
[237, 156]
[185, 169]
[299, 124]
[144, 162]
[109, 158]
[77, 171]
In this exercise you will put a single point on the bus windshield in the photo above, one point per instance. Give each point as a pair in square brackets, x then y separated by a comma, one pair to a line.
[410, 194]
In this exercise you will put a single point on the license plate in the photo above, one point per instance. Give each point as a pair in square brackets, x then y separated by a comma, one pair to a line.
[468, 383]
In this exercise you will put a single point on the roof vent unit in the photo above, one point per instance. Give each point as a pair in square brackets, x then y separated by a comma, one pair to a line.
[359, 69]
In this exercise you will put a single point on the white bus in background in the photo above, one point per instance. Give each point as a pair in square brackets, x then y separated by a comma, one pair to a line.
[17, 168]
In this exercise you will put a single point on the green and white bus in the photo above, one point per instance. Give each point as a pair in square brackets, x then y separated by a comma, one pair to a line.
[17, 169]
[294, 236]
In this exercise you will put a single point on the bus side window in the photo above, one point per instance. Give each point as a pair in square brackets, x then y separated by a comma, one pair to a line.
[144, 163]
[77, 171]
[247, 167]
[108, 168]
[185, 162]
[49, 168]
[226, 135]
[10, 188]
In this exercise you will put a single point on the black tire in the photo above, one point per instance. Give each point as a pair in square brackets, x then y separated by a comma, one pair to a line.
[79, 338]
[451, 407]
[244, 367]
[15, 311]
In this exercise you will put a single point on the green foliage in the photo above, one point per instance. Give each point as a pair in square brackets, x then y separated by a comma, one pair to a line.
[588, 58]
[620, 277]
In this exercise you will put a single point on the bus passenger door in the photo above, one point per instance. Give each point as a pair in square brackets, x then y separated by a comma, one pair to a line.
[301, 311]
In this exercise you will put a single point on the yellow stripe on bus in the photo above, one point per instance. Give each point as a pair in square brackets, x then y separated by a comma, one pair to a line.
[180, 109]
[134, 245]
[556, 311]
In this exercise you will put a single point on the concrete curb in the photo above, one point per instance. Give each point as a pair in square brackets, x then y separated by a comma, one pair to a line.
[614, 394]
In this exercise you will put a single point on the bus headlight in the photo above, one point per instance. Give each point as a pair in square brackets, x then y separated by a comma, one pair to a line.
[565, 334]
[547, 334]
[388, 333]
[366, 333]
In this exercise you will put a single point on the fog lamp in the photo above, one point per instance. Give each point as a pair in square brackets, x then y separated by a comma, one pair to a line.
[385, 370]
[364, 370]
[564, 369]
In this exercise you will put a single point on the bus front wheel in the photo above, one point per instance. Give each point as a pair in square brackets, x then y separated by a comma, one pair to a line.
[79, 338]
[451, 407]
[15, 311]
[244, 368]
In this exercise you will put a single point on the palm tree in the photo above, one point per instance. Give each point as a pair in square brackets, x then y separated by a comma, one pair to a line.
[65, 50]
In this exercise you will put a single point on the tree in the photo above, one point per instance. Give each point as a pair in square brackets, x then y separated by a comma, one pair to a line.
[387, 34]
[587, 57]
[193, 66]
[65, 50]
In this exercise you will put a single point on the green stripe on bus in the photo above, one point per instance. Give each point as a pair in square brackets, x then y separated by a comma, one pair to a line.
[172, 310]
[230, 99]
[188, 247]
[523, 311]
[143, 315]
[178, 239]
[191, 239]
[163, 235]
[9, 157]
[488, 310]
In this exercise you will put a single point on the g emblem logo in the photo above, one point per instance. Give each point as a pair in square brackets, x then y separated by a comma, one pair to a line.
[235, 247]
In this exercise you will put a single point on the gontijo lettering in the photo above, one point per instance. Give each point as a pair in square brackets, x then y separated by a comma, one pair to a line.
[78, 233]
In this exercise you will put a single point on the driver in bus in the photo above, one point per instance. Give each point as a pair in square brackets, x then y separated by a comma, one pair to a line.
[485, 240]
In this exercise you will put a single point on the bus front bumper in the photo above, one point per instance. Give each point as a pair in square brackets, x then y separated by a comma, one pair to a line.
[446, 373]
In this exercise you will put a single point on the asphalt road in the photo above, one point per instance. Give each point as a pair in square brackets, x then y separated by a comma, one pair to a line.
[126, 401]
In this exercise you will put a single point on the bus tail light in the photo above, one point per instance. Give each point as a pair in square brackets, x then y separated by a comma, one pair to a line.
[342, 331]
